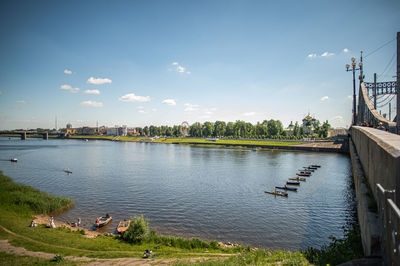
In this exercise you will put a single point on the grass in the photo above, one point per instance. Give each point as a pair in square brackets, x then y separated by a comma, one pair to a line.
[12, 259]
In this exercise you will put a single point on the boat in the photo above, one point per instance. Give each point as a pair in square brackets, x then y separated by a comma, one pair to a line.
[102, 221]
[123, 226]
[287, 188]
[277, 193]
[314, 165]
[312, 168]
[303, 174]
[296, 183]
[298, 178]
[306, 169]
[68, 171]
[14, 160]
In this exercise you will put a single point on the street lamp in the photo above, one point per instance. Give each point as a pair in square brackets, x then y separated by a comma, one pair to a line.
[353, 68]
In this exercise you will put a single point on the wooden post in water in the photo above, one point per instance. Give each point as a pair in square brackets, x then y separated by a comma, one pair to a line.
[23, 136]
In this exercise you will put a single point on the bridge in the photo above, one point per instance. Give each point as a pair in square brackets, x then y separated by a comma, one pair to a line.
[375, 156]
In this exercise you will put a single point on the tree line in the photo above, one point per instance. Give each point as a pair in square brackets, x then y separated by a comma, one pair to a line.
[239, 129]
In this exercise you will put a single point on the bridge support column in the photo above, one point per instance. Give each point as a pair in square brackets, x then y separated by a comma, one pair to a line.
[46, 135]
[398, 85]
[23, 136]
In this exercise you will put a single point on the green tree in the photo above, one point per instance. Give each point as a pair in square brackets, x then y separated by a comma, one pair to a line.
[138, 231]
[195, 130]
[207, 129]
[296, 129]
[219, 129]
[146, 130]
[229, 129]
[325, 129]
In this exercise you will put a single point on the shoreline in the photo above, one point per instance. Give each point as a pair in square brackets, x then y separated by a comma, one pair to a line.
[315, 146]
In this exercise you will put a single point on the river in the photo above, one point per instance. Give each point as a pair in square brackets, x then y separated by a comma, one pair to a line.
[210, 193]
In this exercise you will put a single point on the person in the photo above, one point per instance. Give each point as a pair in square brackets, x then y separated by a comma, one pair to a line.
[32, 224]
[380, 126]
[79, 221]
[52, 224]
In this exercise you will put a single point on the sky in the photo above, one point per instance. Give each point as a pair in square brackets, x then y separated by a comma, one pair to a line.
[141, 63]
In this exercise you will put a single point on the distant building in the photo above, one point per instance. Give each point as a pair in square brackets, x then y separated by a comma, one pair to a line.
[69, 126]
[308, 124]
[289, 129]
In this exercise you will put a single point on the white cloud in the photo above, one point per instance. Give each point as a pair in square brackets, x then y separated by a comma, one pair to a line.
[326, 54]
[140, 107]
[142, 112]
[92, 92]
[68, 72]
[210, 111]
[312, 55]
[69, 88]
[338, 117]
[191, 107]
[92, 104]
[249, 113]
[324, 98]
[180, 68]
[131, 97]
[98, 81]
[345, 50]
[169, 102]
[154, 110]
[21, 101]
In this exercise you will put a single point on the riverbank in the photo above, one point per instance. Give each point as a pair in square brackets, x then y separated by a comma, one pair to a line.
[315, 146]
[17, 211]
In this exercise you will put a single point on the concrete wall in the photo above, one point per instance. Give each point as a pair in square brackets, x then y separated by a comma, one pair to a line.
[379, 154]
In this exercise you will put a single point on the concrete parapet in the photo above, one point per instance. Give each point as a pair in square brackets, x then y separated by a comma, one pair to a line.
[379, 154]
[368, 218]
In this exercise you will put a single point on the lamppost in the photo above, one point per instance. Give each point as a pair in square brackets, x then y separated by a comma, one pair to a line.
[353, 68]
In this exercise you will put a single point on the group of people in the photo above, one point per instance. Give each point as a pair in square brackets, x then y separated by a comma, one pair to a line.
[380, 125]
[53, 225]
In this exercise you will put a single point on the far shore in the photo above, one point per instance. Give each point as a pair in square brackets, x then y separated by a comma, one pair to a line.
[281, 144]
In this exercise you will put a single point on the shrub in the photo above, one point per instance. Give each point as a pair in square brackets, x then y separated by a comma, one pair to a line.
[138, 231]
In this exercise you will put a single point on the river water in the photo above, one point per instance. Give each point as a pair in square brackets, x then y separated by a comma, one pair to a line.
[210, 193]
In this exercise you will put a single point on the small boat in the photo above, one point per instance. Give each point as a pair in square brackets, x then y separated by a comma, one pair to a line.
[68, 171]
[298, 178]
[295, 183]
[312, 168]
[14, 160]
[314, 165]
[123, 226]
[306, 169]
[303, 174]
[277, 193]
[287, 188]
[102, 221]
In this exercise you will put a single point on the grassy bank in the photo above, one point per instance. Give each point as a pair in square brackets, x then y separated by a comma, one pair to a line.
[19, 203]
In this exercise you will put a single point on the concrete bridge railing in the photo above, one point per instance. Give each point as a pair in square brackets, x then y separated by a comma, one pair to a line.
[379, 155]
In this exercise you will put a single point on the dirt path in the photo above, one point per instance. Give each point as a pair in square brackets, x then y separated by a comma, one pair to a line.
[5, 246]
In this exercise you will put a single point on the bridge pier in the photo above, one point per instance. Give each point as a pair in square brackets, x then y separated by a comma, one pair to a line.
[23, 136]
[46, 135]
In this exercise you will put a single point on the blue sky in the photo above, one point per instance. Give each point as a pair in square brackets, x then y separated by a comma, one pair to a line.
[139, 63]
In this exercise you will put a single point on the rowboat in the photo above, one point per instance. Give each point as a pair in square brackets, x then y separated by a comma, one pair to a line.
[287, 188]
[102, 221]
[123, 226]
[14, 160]
[68, 171]
[314, 165]
[312, 168]
[303, 174]
[306, 169]
[296, 183]
[297, 178]
[277, 193]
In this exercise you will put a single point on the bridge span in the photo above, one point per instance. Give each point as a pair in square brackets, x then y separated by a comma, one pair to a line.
[375, 156]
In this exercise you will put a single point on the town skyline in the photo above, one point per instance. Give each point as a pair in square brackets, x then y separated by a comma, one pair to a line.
[162, 63]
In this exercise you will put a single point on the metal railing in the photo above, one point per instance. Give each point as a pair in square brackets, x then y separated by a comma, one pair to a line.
[390, 214]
